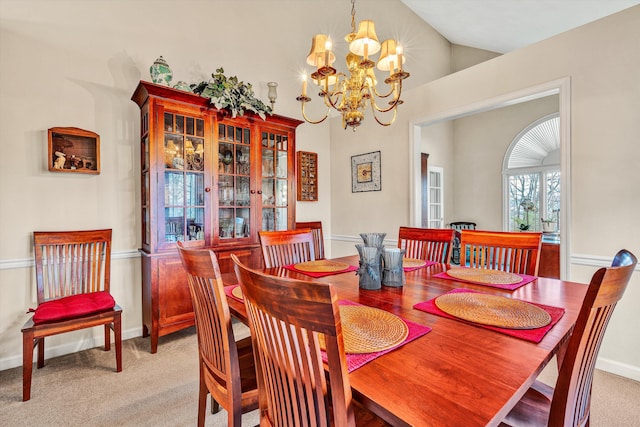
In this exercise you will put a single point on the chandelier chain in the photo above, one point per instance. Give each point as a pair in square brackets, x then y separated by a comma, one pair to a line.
[353, 16]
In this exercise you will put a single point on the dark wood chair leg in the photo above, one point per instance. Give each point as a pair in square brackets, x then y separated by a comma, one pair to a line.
[117, 332]
[27, 364]
[202, 399]
[215, 406]
[40, 344]
[107, 337]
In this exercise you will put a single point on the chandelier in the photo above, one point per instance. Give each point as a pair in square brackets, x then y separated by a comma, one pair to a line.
[350, 93]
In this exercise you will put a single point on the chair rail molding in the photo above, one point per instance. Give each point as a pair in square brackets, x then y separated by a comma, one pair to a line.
[8, 264]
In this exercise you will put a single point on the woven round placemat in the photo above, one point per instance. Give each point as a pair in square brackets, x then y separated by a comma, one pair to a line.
[237, 292]
[485, 275]
[493, 310]
[413, 262]
[321, 266]
[368, 329]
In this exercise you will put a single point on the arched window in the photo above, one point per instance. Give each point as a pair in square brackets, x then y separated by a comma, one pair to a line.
[532, 177]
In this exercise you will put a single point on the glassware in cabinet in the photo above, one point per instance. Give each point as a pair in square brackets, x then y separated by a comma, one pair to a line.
[234, 181]
[184, 178]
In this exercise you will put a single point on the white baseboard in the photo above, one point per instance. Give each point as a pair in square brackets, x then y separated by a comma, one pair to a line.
[67, 348]
[618, 368]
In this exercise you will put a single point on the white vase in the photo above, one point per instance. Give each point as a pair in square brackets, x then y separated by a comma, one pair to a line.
[548, 227]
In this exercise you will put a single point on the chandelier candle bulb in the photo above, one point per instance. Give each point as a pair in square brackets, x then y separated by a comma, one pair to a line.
[392, 68]
[327, 52]
[304, 85]
[399, 53]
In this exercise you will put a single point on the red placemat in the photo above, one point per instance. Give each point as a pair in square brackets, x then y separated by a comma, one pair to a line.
[291, 267]
[427, 264]
[355, 361]
[511, 287]
[533, 335]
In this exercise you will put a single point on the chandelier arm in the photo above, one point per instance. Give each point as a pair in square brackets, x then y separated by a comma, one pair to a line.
[379, 95]
[393, 119]
[330, 103]
[314, 122]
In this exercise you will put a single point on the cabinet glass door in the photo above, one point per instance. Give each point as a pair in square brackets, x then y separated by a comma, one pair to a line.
[184, 178]
[275, 178]
[234, 181]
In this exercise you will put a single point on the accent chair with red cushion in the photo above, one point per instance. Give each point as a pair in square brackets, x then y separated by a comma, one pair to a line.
[73, 270]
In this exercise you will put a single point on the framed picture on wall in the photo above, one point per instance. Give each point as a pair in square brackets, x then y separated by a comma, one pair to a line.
[74, 150]
[365, 172]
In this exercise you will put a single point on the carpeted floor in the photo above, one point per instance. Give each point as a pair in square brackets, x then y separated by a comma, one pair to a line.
[82, 389]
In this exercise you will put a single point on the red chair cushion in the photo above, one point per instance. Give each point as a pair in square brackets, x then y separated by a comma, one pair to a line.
[73, 306]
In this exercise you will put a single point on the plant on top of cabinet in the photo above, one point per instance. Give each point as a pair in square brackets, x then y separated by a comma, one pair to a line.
[230, 94]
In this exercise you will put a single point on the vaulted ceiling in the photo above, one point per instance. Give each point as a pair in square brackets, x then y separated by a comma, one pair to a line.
[505, 25]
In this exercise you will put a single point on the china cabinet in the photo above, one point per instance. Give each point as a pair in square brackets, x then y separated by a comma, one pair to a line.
[210, 181]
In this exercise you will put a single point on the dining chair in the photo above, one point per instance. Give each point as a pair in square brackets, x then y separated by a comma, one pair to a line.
[227, 367]
[286, 247]
[288, 318]
[511, 251]
[569, 403]
[318, 239]
[73, 275]
[429, 244]
[458, 226]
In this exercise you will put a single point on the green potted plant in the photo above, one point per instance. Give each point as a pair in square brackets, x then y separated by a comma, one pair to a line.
[228, 93]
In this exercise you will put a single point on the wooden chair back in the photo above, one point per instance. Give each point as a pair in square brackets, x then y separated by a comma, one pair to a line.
[286, 318]
[515, 252]
[220, 369]
[318, 238]
[69, 264]
[429, 244]
[458, 226]
[570, 402]
[286, 247]
[572, 396]
[462, 225]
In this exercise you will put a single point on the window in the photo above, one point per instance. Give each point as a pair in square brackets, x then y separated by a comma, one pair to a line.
[532, 177]
[434, 201]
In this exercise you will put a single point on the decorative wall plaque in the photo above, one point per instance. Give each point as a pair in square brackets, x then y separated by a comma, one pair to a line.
[365, 172]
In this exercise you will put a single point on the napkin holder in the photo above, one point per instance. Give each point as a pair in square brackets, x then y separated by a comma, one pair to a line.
[392, 272]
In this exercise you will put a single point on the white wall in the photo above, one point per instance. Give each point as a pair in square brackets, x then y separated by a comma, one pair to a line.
[602, 59]
[71, 63]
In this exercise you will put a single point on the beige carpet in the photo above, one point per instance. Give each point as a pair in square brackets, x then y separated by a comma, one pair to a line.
[160, 389]
[83, 389]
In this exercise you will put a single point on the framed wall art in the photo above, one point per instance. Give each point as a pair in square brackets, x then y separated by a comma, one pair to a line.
[74, 150]
[365, 172]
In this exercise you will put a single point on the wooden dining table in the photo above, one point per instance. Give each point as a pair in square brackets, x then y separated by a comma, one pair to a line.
[459, 373]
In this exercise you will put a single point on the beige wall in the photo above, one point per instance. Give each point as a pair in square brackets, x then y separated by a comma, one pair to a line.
[464, 57]
[480, 143]
[70, 63]
[602, 60]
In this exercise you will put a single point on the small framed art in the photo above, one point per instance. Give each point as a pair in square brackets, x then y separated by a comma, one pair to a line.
[74, 150]
[365, 172]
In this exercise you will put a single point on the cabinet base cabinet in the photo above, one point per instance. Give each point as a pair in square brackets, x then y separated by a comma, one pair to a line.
[166, 300]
